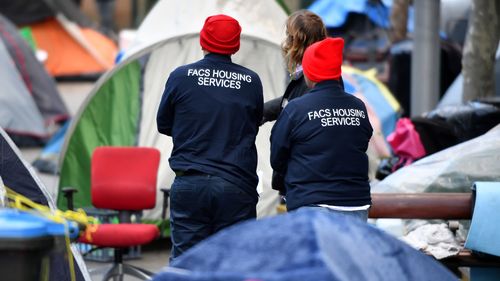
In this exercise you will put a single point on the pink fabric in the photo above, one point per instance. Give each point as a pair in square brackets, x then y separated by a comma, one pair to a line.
[405, 141]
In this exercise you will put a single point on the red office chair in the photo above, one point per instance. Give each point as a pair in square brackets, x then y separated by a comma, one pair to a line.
[123, 179]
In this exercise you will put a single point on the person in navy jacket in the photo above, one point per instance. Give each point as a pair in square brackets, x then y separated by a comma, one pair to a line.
[212, 109]
[320, 139]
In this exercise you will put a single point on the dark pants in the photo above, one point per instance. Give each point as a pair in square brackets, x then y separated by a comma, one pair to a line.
[201, 205]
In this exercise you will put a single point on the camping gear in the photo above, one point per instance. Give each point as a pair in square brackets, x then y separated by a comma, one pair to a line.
[376, 95]
[121, 108]
[21, 178]
[303, 245]
[31, 105]
[74, 48]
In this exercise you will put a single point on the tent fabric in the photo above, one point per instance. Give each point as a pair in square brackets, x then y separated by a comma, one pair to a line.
[18, 113]
[335, 12]
[170, 18]
[145, 85]
[74, 48]
[303, 245]
[378, 96]
[157, 62]
[111, 119]
[23, 12]
[41, 86]
[21, 178]
[67, 56]
[17, 176]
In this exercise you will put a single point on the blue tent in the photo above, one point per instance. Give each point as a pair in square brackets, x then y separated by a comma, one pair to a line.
[304, 245]
[335, 12]
[376, 94]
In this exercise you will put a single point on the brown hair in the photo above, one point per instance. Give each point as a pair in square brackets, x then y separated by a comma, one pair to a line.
[303, 28]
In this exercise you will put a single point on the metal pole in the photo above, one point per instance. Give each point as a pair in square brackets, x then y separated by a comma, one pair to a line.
[426, 57]
[422, 205]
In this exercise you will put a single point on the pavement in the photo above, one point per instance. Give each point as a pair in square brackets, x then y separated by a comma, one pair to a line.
[151, 257]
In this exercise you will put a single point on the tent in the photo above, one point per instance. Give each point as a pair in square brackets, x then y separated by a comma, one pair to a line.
[121, 108]
[19, 176]
[376, 95]
[304, 245]
[32, 104]
[263, 19]
[73, 47]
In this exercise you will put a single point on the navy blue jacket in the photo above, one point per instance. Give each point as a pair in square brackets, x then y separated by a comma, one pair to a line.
[212, 109]
[319, 143]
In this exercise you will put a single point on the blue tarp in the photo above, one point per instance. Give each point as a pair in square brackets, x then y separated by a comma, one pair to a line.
[304, 245]
[335, 12]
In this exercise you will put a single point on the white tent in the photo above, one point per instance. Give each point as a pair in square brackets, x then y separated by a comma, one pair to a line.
[170, 18]
[121, 109]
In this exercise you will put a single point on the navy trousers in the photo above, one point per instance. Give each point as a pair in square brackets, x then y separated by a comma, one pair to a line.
[201, 205]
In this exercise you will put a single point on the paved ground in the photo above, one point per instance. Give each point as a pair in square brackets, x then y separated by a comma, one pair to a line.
[152, 257]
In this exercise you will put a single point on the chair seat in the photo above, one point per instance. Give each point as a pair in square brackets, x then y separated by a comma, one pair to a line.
[119, 235]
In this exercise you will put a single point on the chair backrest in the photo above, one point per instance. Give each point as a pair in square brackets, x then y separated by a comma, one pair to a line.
[124, 178]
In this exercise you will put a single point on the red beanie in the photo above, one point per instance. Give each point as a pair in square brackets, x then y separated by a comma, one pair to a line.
[323, 60]
[220, 34]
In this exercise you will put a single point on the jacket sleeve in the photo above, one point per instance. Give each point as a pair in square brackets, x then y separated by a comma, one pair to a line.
[272, 109]
[260, 104]
[165, 115]
[281, 143]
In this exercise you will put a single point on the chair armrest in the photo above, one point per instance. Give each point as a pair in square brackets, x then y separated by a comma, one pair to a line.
[68, 193]
[166, 194]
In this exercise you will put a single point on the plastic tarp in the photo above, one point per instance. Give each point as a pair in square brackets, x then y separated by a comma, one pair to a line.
[454, 169]
[303, 245]
[259, 51]
[335, 12]
[483, 234]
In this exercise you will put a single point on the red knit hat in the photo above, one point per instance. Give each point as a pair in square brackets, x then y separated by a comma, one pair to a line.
[220, 34]
[323, 60]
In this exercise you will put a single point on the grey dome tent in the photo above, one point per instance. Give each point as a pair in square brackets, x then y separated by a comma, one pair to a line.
[31, 103]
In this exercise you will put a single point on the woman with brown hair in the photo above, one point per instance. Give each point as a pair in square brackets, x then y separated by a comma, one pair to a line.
[303, 28]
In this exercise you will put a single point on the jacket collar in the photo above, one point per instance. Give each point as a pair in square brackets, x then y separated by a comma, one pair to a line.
[337, 85]
[218, 57]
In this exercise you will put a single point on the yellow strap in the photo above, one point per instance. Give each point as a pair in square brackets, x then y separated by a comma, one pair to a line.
[20, 202]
